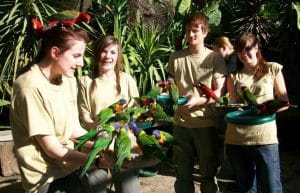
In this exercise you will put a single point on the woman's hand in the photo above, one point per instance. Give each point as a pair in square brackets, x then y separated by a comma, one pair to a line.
[106, 160]
[194, 101]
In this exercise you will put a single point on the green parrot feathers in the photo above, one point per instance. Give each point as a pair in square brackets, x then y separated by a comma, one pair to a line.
[224, 100]
[86, 137]
[154, 92]
[174, 94]
[99, 145]
[122, 149]
[64, 15]
[249, 96]
[105, 115]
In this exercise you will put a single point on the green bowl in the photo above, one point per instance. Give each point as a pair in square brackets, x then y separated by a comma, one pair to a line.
[165, 99]
[144, 125]
[248, 117]
[182, 100]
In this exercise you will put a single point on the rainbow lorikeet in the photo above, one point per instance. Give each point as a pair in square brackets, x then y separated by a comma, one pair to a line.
[163, 137]
[249, 96]
[122, 149]
[223, 100]
[174, 93]
[104, 138]
[69, 17]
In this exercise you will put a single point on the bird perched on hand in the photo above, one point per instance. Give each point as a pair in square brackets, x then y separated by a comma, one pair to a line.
[69, 17]
[206, 90]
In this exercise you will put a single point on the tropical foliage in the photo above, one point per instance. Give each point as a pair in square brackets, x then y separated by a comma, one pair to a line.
[146, 32]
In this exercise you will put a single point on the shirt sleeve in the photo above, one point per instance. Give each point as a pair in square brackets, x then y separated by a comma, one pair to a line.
[83, 100]
[275, 68]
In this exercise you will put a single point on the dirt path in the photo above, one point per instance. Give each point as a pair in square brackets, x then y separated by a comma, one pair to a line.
[164, 180]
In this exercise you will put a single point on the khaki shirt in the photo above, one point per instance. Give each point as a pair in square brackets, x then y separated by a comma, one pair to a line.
[90, 103]
[41, 108]
[187, 69]
[264, 90]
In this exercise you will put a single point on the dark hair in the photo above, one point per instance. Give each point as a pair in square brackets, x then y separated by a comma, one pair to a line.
[60, 36]
[247, 41]
[100, 44]
[196, 18]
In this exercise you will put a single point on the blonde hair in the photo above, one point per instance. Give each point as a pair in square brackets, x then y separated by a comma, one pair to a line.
[223, 41]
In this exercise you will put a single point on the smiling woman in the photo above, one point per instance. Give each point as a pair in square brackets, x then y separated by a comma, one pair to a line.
[44, 117]
[107, 85]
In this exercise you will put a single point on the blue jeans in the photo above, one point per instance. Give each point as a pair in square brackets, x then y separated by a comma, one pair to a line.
[256, 167]
[201, 144]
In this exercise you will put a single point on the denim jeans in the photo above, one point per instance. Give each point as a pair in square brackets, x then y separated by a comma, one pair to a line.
[200, 144]
[257, 167]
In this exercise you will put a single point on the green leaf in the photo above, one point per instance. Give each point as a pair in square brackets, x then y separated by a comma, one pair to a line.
[296, 6]
[4, 102]
[184, 6]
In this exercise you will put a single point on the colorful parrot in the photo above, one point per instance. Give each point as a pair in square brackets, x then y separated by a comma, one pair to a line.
[150, 145]
[249, 96]
[90, 135]
[206, 90]
[118, 105]
[223, 100]
[164, 85]
[69, 17]
[122, 149]
[37, 27]
[104, 116]
[154, 92]
[272, 106]
[104, 138]
[158, 113]
[163, 137]
[174, 93]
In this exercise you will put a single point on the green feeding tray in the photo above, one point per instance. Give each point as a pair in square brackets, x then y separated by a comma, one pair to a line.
[144, 125]
[165, 99]
[248, 117]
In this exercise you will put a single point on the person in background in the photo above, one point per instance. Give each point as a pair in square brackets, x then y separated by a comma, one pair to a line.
[107, 85]
[253, 149]
[44, 118]
[226, 178]
[195, 121]
[223, 45]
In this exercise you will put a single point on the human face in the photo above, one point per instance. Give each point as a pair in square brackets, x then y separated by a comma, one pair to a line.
[195, 35]
[109, 57]
[68, 61]
[248, 55]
